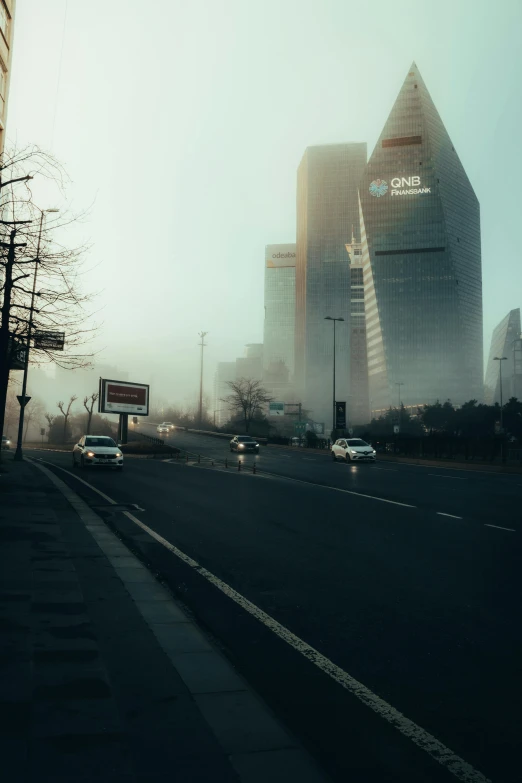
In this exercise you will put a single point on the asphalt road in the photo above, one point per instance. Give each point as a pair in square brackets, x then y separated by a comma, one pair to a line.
[391, 572]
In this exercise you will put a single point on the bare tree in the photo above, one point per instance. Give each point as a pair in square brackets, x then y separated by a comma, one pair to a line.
[247, 397]
[65, 413]
[49, 417]
[33, 414]
[40, 273]
[88, 404]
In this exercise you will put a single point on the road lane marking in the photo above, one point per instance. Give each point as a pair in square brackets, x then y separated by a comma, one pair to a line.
[456, 765]
[511, 529]
[454, 478]
[310, 459]
[442, 514]
[339, 489]
[388, 470]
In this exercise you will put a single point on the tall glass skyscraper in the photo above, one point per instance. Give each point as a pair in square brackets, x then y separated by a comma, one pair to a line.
[504, 343]
[279, 328]
[327, 209]
[420, 232]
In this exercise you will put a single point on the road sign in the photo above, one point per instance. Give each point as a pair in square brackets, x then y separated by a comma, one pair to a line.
[340, 415]
[42, 431]
[22, 400]
[51, 341]
[276, 409]
[396, 429]
[17, 354]
[299, 427]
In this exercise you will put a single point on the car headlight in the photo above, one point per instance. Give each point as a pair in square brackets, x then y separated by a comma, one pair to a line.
[91, 454]
[119, 455]
[352, 451]
[241, 446]
[374, 452]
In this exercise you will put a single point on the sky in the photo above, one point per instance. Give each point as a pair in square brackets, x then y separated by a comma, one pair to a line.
[181, 125]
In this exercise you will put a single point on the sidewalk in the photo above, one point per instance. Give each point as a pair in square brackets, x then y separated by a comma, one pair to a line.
[103, 677]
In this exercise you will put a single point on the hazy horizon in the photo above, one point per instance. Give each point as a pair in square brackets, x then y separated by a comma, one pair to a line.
[182, 131]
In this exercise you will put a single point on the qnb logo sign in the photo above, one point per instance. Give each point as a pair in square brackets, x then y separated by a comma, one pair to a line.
[400, 186]
[407, 186]
[378, 188]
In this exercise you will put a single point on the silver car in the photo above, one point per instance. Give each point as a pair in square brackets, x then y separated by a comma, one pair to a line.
[94, 450]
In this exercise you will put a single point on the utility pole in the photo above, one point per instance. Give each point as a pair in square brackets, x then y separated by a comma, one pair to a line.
[329, 318]
[18, 453]
[202, 335]
[11, 247]
[399, 385]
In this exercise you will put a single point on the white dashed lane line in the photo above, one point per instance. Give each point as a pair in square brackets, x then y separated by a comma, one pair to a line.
[443, 514]
[498, 527]
[455, 478]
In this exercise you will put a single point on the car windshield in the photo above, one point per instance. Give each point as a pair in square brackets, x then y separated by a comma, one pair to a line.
[246, 439]
[101, 441]
[357, 442]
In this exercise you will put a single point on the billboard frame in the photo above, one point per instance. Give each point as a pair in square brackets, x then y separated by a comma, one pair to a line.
[122, 411]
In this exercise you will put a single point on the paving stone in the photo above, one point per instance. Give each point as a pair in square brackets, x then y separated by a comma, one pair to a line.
[161, 612]
[241, 723]
[148, 592]
[207, 672]
[277, 766]
[71, 716]
[180, 638]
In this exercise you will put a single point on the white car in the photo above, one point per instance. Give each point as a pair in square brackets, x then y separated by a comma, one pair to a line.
[164, 427]
[94, 450]
[353, 450]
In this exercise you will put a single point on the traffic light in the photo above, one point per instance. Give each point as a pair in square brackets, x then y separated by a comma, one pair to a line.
[134, 419]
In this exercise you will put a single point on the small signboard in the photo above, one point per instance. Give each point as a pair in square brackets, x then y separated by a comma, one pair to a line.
[17, 354]
[340, 415]
[299, 427]
[123, 397]
[276, 409]
[49, 341]
[42, 431]
[396, 429]
[22, 400]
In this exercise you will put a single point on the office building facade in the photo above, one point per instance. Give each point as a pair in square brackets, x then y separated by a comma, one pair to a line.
[327, 208]
[505, 342]
[7, 10]
[225, 372]
[358, 403]
[420, 232]
[279, 325]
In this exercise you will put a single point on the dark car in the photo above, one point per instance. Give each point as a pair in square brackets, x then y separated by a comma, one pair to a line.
[244, 443]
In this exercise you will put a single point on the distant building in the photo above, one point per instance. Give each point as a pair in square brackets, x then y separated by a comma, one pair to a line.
[420, 229]
[279, 326]
[251, 364]
[358, 408]
[327, 208]
[504, 342]
[225, 372]
[7, 11]
[516, 378]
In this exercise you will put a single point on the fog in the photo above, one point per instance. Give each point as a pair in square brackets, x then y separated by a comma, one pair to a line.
[181, 125]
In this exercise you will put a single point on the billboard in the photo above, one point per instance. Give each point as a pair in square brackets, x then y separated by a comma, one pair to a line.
[340, 415]
[280, 255]
[123, 397]
[17, 354]
[52, 341]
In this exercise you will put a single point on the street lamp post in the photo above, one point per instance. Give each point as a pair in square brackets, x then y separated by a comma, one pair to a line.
[18, 455]
[202, 344]
[500, 359]
[329, 318]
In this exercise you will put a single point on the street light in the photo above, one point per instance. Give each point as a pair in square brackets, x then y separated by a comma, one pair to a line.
[202, 344]
[500, 359]
[18, 455]
[329, 318]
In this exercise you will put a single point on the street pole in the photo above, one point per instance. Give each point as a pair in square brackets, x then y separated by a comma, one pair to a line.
[501, 359]
[202, 335]
[329, 318]
[18, 455]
